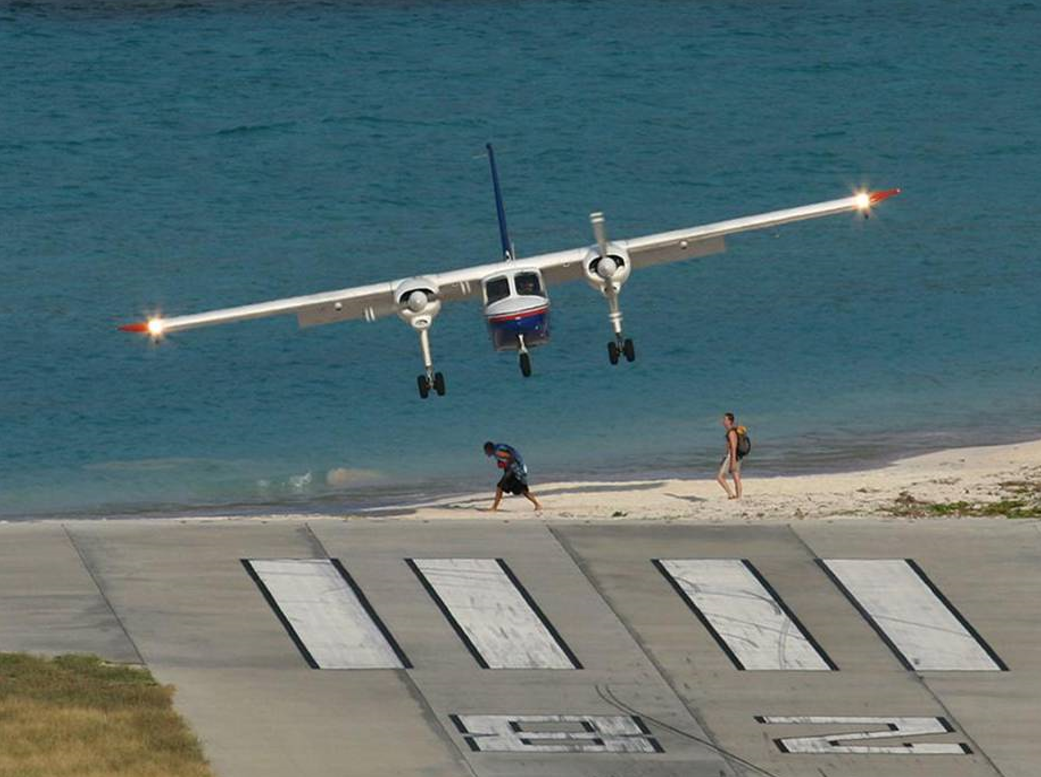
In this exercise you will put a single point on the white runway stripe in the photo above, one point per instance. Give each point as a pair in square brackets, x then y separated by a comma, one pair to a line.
[746, 617]
[326, 615]
[492, 613]
[911, 615]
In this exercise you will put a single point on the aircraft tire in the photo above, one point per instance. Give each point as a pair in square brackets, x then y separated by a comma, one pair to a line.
[612, 352]
[424, 386]
[439, 384]
[630, 350]
[525, 365]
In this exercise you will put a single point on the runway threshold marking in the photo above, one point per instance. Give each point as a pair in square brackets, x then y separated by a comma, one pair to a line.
[493, 614]
[326, 614]
[748, 619]
[893, 727]
[911, 615]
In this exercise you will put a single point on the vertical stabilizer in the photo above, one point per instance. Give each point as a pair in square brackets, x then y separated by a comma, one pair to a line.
[504, 233]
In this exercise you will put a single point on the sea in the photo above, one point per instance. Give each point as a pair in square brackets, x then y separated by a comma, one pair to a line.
[172, 156]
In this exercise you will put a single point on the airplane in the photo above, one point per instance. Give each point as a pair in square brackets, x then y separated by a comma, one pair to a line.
[514, 290]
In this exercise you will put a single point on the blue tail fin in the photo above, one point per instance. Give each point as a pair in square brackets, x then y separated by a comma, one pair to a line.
[504, 233]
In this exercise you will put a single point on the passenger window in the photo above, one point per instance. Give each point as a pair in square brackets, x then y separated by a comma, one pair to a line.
[528, 284]
[496, 289]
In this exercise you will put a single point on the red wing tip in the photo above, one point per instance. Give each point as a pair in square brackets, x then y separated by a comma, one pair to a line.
[139, 327]
[883, 195]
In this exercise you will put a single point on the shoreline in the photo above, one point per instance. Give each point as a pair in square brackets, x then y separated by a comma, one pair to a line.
[904, 487]
[352, 490]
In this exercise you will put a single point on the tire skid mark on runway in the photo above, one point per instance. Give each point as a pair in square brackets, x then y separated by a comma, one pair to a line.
[326, 614]
[746, 617]
[911, 615]
[496, 618]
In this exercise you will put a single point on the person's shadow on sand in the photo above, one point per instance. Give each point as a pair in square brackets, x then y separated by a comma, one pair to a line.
[688, 498]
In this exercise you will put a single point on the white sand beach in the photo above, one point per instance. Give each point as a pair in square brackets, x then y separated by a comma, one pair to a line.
[997, 481]
[976, 476]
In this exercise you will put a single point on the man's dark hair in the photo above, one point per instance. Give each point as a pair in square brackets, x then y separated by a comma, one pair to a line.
[489, 447]
[729, 417]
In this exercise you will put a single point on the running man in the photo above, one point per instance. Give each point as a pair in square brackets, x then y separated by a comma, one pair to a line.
[515, 475]
[731, 459]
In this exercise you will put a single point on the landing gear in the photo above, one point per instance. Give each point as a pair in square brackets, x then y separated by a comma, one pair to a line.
[622, 345]
[418, 306]
[525, 357]
[629, 350]
[429, 379]
[606, 271]
[617, 349]
[437, 383]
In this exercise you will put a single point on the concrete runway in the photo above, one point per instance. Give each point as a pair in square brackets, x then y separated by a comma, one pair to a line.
[527, 649]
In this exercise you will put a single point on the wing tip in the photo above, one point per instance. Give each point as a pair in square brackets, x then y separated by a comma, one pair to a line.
[884, 194]
[153, 327]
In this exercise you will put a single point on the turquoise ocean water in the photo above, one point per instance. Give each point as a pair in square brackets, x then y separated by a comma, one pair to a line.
[182, 156]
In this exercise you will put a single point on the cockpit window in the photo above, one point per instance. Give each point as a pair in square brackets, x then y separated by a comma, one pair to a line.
[528, 284]
[496, 289]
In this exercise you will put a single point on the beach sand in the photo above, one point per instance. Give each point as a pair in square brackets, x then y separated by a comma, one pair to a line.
[977, 476]
[995, 481]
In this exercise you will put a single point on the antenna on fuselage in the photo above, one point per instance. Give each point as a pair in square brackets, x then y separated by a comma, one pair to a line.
[504, 233]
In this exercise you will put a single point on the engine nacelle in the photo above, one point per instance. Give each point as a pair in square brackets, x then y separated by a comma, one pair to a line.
[607, 272]
[418, 300]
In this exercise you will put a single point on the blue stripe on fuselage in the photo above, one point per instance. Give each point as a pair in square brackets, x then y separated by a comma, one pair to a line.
[533, 326]
[522, 323]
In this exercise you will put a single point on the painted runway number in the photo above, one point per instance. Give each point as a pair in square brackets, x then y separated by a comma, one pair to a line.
[556, 734]
[887, 728]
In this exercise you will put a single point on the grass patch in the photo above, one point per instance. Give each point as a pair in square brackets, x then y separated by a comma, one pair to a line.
[1025, 506]
[1023, 488]
[76, 716]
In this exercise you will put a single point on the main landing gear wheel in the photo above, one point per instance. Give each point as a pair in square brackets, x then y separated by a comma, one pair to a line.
[425, 384]
[525, 365]
[629, 350]
[615, 352]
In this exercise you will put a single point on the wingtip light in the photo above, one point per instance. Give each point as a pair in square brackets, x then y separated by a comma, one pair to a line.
[864, 200]
[152, 327]
[885, 194]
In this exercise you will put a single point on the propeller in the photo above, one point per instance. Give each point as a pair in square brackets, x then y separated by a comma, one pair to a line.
[606, 267]
[417, 300]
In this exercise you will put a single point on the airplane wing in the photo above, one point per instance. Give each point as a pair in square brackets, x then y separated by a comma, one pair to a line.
[368, 302]
[378, 300]
[682, 244]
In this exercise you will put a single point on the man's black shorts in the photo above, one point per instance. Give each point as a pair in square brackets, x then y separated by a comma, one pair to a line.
[511, 484]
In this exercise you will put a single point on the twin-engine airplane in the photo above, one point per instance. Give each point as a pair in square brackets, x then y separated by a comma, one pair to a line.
[516, 305]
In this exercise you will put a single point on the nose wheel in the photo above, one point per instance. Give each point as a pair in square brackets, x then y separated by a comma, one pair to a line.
[619, 348]
[524, 357]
